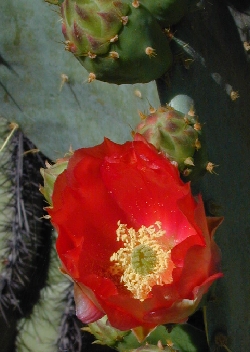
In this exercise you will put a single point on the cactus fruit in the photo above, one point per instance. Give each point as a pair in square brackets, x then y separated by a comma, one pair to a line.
[179, 137]
[115, 41]
[91, 26]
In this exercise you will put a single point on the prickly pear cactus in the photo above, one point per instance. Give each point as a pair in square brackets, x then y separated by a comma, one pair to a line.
[211, 50]
[116, 41]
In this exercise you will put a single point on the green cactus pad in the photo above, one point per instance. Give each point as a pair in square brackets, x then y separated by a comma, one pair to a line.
[167, 12]
[143, 52]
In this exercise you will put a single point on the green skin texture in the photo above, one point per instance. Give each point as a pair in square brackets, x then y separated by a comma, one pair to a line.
[169, 133]
[167, 12]
[133, 65]
[89, 22]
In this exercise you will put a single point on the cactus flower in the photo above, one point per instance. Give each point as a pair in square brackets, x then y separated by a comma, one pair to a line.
[132, 237]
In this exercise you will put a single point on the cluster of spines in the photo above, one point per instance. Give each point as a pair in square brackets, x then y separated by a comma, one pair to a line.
[200, 150]
[69, 332]
[26, 256]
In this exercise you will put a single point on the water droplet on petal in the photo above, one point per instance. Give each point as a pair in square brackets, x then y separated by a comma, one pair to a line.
[155, 315]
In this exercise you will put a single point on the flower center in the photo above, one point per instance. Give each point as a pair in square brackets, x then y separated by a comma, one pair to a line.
[144, 261]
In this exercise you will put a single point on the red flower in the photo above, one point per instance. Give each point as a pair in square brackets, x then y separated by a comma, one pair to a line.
[132, 237]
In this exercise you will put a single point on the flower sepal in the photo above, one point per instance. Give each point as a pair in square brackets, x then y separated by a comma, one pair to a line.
[105, 333]
[128, 340]
[171, 338]
[50, 174]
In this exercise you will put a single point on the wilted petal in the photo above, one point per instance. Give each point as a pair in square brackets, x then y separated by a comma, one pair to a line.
[86, 310]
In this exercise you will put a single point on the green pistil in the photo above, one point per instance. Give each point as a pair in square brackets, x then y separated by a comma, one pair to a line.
[143, 259]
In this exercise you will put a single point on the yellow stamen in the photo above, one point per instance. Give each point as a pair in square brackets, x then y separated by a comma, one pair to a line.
[144, 261]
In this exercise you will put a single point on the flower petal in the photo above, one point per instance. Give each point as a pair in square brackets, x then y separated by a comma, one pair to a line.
[86, 310]
[150, 195]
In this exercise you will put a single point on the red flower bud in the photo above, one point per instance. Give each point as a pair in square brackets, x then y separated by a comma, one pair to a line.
[137, 244]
